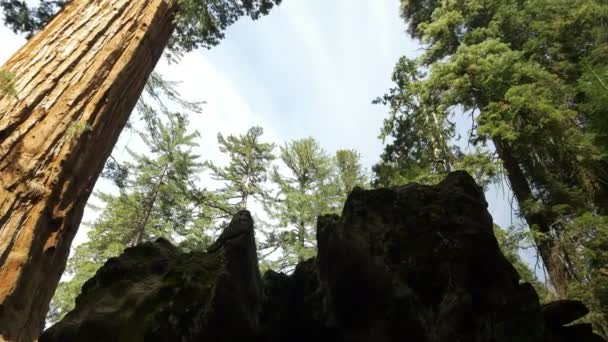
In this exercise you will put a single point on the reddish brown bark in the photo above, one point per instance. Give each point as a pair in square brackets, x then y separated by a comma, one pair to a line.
[76, 81]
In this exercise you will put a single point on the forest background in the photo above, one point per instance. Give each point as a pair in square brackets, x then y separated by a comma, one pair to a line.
[300, 72]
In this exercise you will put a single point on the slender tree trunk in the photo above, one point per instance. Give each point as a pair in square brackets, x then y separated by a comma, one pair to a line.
[301, 239]
[142, 226]
[243, 204]
[559, 274]
[77, 82]
[440, 151]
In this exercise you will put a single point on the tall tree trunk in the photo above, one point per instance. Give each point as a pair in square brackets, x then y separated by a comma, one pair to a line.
[77, 81]
[559, 272]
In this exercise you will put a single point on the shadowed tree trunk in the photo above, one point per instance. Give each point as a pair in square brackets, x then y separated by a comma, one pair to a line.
[559, 274]
[76, 82]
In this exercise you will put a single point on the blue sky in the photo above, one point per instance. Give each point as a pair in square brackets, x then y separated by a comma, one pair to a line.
[310, 68]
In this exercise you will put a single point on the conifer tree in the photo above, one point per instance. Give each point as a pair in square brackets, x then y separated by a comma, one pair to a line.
[304, 193]
[423, 148]
[248, 168]
[159, 198]
[349, 174]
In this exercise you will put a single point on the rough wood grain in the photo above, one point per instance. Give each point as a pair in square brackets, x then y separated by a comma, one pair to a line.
[76, 82]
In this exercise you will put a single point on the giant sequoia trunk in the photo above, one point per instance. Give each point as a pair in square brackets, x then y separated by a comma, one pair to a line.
[76, 81]
[559, 272]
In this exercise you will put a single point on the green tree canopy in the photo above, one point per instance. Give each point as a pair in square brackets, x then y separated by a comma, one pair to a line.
[304, 192]
[349, 174]
[249, 166]
[530, 75]
[158, 197]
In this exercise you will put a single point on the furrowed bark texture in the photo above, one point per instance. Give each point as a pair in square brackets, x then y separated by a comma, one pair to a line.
[76, 82]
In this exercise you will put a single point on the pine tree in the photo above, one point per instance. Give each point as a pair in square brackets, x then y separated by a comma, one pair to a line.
[349, 174]
[423, 148]
[166, 179]
[248, 169]
[304, 193]
[159, 198]
[76, 82]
